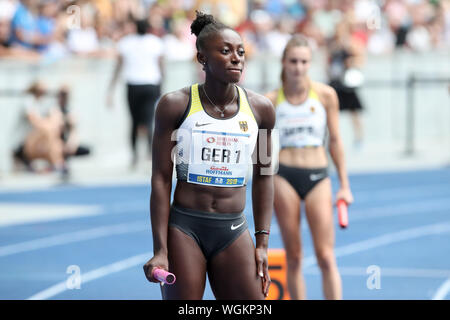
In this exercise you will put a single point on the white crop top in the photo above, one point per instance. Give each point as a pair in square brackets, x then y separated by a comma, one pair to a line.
[215, 152]
[302, 125]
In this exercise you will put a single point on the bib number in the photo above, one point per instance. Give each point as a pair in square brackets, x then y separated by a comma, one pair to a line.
[218, 158]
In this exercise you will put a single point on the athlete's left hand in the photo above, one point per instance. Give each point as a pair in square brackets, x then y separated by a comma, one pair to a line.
[345, 194]
[262, 265]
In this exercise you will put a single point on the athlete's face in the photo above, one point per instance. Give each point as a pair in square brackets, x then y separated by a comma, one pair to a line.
[224, 56]
[296, 62]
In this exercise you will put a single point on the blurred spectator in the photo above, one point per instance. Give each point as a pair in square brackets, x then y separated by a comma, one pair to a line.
[445, 12]
[230, 12]
[46, 26]
[156, 20]
[381, 40]
[141, 56]
[5, 39]
[178, 47]
[256, 33]
[47, 12]
[296, 9]
[7, 9]
[327, 19]
[309, 29]
[83, 39]
[398, 18]
[124, 9]
[39, 131]
[345, 57]
[278, 37]
[275, 8]
[28, 30]
[418, 37]
[69, 132]
[437, 26]
[7, 50]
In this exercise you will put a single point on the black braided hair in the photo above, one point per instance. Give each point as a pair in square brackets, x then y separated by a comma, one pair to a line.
[203, 26]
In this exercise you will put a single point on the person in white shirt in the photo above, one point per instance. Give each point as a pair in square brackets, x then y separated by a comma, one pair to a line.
[37, 135]
[140, 55]
[178, 46]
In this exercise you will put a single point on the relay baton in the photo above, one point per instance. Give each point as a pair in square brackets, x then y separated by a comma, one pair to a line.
[163, 276]
[342, 213]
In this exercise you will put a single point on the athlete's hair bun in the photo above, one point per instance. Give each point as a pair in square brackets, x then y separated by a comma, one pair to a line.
[201, 21]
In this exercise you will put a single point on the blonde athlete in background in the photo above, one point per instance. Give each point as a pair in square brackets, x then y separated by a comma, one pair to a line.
[304, 111]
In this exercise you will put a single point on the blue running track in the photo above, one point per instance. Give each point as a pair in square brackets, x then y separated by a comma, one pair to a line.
[399, 229]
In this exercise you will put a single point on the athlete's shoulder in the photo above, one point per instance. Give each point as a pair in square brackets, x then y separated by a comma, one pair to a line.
[258, 100]
[263, 108]
[323, 89]
[326, 94]
[172, 105]
[176, 98]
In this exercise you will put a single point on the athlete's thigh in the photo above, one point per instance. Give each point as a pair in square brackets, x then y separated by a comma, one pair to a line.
[287, 210]
[319, 212]
[187, 262]
[36, 146]
[233, 273]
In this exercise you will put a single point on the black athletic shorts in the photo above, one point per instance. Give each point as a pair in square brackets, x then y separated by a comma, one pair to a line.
[301, 179]
[142, 102]
[348, 97]
[213, 232]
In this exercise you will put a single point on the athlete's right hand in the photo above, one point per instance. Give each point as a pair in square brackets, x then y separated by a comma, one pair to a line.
[158, 261]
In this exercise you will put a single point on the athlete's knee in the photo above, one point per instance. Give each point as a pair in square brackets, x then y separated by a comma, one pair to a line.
[326, 259]
[294, 259]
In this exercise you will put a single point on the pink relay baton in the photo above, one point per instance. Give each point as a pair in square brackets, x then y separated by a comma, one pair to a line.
[342, 213]
[163, 276]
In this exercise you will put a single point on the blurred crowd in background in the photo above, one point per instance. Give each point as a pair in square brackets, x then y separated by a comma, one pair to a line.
[45, 31]
[56, 28]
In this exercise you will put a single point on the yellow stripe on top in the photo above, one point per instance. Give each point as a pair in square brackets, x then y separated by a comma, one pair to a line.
[244, 104]
[196, 104]
[313, 95]
[280, 97]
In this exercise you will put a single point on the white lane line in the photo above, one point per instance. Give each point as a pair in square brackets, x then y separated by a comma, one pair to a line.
[12, 214]
[23, 213]
[309, 261]
[385, 239]
[442, 291]
[390, 272]
[71, 237]
[93, 275]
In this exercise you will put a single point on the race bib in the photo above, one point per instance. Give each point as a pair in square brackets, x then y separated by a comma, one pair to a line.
[219, 159]
[295, 131]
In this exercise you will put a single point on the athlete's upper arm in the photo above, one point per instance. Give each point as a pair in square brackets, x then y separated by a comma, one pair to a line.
[168, 113]
[264, 110]
[265, 117]
[272, 96]
[331, 104]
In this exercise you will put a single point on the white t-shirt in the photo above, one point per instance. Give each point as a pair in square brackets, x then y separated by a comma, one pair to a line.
[177, 50]
[83, 40]
[140, 58]
[23, 127]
